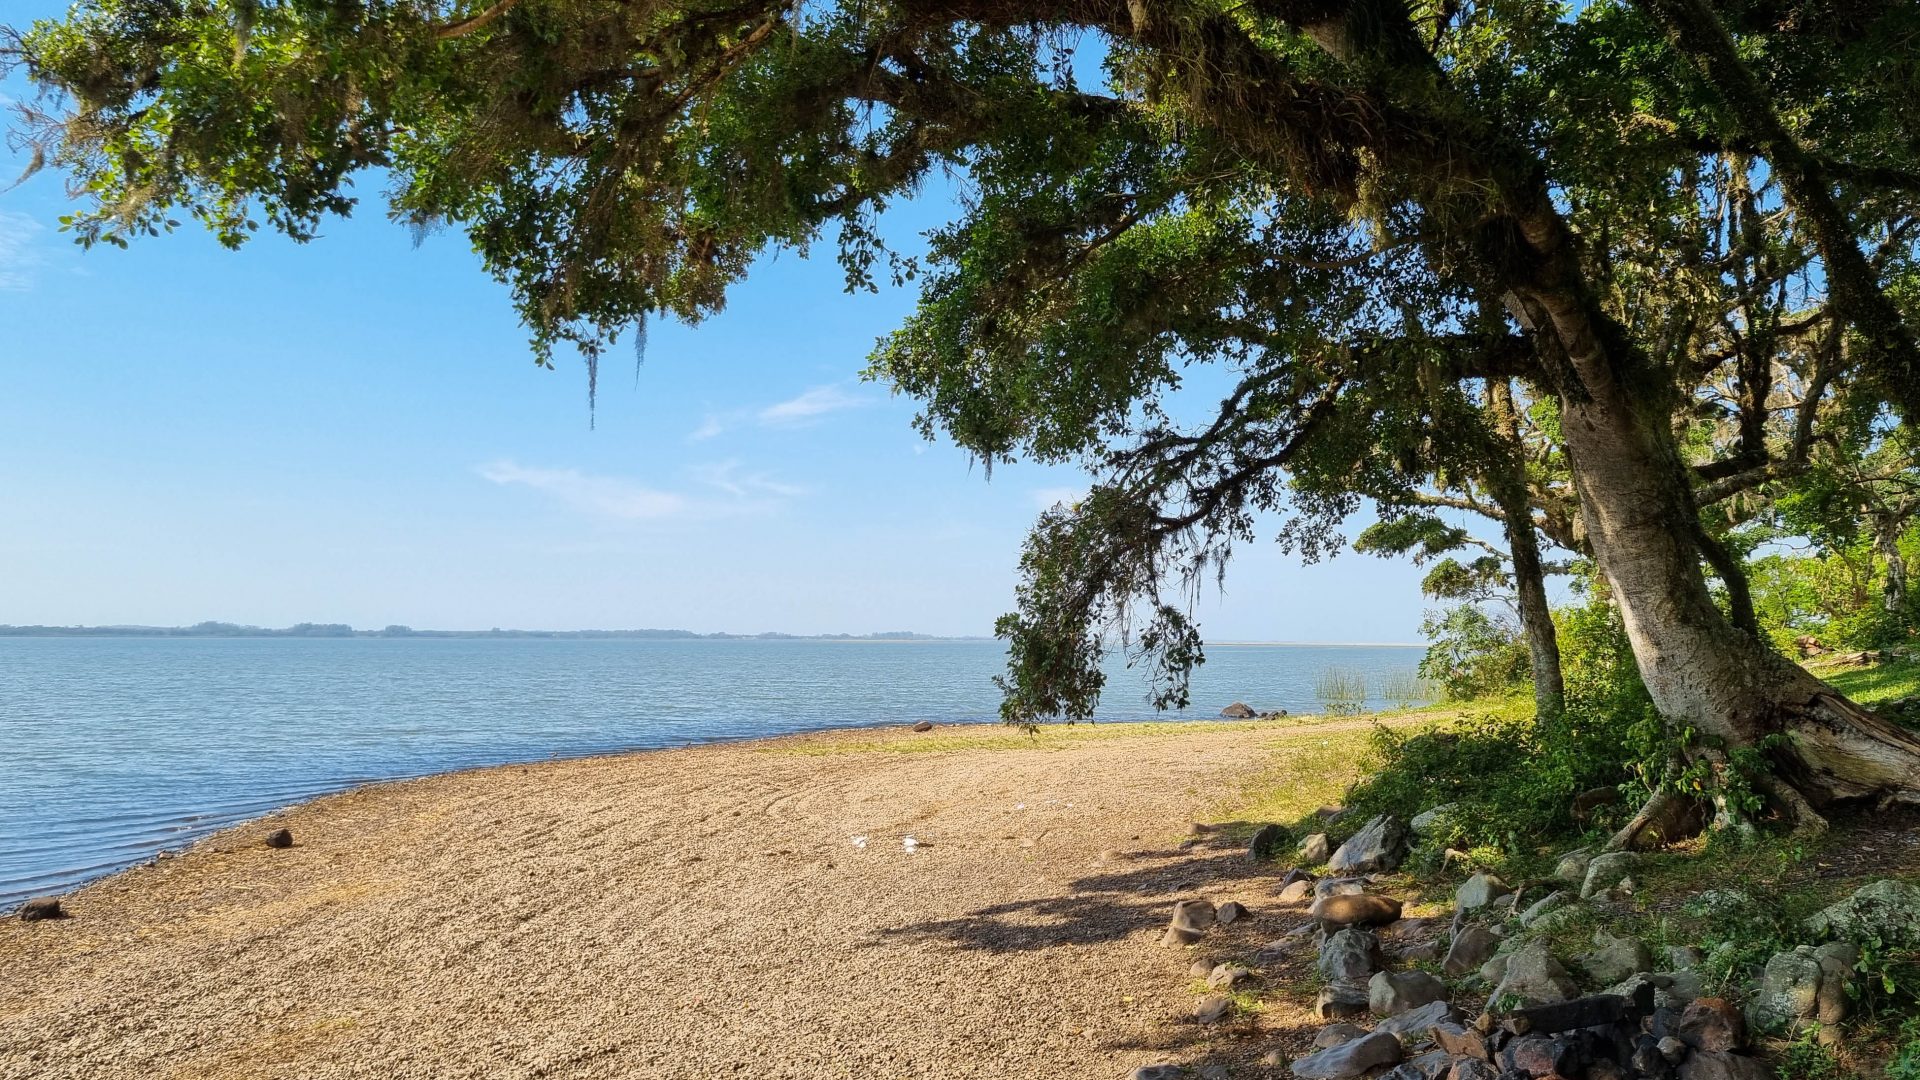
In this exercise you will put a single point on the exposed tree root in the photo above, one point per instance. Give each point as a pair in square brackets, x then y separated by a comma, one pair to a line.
[1657, 808]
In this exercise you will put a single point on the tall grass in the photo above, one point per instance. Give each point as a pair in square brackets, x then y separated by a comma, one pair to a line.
[1405, 689]
[1342, 692]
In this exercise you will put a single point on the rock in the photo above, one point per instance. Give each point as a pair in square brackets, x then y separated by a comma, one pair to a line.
[1681, 988]
[1702, 1065]
[1390, 993]
[1421, 952]
[1478, 891]
[1472, 1069]
[1191, 921]
[1458, 1040]
[1606, 871]
[1349, 1059]
[1351, 955]
[1672, 1049]
[1227, 976]
[1494, 969]
[1684, 957]
[1801, 986]
[1572, 866]
[1549, 902]
[1472, 947]
[1296, 892]
[1338, 886]
[1231, 912]
[1213, 1009]
[1215, 1071]
[1533, 1055]
[1594, 1010]
[1888, 910]
[1534, 977]
[1585, 803]
[1315, 849]
[1266, 842]
[1239, 710]
[41, 908]
[1428, 1066]
[280, 838]
[1356, 910]
[1379, 845]
[1615, 959]
[923, 726]
[1415, 1026]
[1335, 1034]
[1164, 1071]
[1647, 1059]
[1341, 1001]
[1201, 968]
[1429, 821]
[1713, 1025]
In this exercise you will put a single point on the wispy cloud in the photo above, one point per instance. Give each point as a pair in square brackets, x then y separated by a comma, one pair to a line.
[20, 257]
[602, 496]
[805, 408]
[1050, 497]
[723, 489]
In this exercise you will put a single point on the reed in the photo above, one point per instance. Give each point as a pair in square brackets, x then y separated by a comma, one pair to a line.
[1342, 692]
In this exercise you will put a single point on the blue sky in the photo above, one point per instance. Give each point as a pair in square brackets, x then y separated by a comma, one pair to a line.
[354, 431]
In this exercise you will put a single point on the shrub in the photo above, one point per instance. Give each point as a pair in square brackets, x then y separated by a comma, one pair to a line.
[1473, 654]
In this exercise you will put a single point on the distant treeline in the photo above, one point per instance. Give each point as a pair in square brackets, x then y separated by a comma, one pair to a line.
[342, 630]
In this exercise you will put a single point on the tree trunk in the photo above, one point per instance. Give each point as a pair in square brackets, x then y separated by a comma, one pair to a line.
[1506, 479]
[1701, 671]
[1886, 537]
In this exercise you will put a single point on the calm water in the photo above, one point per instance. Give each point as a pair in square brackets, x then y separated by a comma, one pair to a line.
[114, 748]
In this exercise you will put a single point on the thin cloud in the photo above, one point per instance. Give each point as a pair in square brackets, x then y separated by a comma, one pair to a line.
[601, 496]
[711, 426]
[816, 402]
[20, 258]
[727, 477]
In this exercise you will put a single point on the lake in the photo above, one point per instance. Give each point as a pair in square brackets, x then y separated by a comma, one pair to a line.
[112, 749]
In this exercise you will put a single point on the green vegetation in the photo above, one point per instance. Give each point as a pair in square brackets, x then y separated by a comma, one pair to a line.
[1342, 692]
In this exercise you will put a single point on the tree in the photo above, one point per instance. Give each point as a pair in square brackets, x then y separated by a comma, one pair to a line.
[1369, 210]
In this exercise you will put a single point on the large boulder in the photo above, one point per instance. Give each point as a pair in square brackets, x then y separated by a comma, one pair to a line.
[1472, 946]
[1239, 710]
[1363, 909]
[1607, 871]
[1351, 955]
[1478, 891]
[1390, 993]
[1615, 958]
[1801, 987]
[1349, 1059]
[1533, 977]
[1379, 845]
[1887, 910]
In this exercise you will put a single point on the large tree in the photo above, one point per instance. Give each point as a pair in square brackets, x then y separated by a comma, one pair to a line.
[1369, 211]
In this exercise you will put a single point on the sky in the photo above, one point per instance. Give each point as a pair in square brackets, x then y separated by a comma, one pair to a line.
[353, 430]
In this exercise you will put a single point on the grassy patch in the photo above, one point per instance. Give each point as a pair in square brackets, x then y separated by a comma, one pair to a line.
[1875, 684]
[1063, 736]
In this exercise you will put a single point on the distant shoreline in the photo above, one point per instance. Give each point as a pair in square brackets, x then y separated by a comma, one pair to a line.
[309, 631]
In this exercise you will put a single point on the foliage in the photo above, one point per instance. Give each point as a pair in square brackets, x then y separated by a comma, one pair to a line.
[1905, 1064]
[1341, 692]
[1404, 690]
[1808, 1059]
[1473, 653]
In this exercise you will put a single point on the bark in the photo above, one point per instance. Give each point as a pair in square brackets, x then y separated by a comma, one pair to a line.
[1507, 481]
[1886, 537]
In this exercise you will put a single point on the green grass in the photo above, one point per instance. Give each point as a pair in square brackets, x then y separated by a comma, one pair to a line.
[1874, 685]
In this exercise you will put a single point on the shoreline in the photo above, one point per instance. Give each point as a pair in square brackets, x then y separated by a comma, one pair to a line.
[679, 911]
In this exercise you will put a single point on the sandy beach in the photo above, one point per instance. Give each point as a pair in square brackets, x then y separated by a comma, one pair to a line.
[697, 912]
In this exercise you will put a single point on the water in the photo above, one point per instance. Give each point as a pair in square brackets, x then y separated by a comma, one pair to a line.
[112, 749]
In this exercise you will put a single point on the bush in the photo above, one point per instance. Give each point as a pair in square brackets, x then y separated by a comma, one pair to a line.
[1473, 654]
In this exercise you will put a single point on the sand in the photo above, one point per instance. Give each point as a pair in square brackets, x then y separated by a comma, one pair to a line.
[687, 913]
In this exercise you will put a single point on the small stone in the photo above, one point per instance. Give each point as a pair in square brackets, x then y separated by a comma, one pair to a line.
[1213, 1009]
[1534, 977]
[1349, 1059]
[1684, 957]
[1534, 1055]
[280, 838]
[1267, 842]
[1315, 849]
[1350, 955]
[41, 908]
[1471, 947]
[1390, 993]
[1201, 968]
[1215, 1071]
[1335, 1034]
[1191, 921]
[1428, 1066]
[1357, 910]
[1607, 871]
[1672, 1049]
[1422, 952]
[1296, 892]
[1467, 1068]
[1227, 976]
[1478, 891]
[1230, 912]
[923, 726]
[1162, 1071]
[1379, 845]
[1458, 1040]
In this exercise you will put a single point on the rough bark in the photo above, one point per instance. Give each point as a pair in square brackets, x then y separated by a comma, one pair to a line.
[1886, 537]
[1507, 481]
